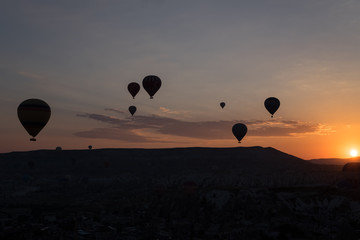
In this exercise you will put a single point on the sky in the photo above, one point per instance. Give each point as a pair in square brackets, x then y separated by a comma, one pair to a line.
[79, 57]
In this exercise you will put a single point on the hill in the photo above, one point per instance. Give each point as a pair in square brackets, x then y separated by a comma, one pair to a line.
[245, 165]
[334, 161]
[173, 160]
[142, 193]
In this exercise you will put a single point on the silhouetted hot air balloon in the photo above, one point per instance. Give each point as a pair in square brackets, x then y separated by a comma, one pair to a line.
[222, 104]
[33, 115]
[132, 110]
[151, 84]
[272, 104]
[133, 88]
[239, 130]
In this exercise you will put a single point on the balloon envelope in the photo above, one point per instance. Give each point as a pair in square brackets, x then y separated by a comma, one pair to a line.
[151, 84]
[272, 104]
[239, 130]
[132, 110]
[133, 88]
[222, 104]
[33, 115]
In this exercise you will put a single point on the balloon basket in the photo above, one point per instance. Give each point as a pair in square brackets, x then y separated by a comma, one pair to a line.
[33, 139]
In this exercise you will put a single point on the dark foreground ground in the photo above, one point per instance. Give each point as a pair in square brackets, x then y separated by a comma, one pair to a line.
[240, 193]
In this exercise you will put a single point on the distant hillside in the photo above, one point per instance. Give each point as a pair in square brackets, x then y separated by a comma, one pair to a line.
[241, 166]
[334, 161]
[154, 161]
[105, 192]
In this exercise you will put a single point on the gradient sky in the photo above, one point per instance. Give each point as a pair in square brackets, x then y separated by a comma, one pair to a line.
[79, 56]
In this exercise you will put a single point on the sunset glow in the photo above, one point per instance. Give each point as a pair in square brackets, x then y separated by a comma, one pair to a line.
[354, 153]
[304, 53]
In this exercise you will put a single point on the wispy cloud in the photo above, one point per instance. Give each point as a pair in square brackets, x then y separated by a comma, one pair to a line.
[113, 134]
[126, 135]
[114, 110]
[288, 128]
[30, 75]
[210, 130]
[103, 118]
[168, 111]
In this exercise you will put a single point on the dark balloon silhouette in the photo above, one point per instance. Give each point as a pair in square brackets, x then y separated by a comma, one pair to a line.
[239, 130]
[33, 115]
[151, 84]
[272, 104]
[133, 88]
[132, 110]
[90, 147]
[222, 104]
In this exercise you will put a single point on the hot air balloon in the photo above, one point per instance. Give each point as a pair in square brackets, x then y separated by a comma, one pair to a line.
[133, 88]
[132, 110]
[151, 84]
[239, 130]
[272, 104]
[33, 115]
[222, 104]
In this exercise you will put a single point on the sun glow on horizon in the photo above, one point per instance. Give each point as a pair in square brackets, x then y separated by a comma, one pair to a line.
[353, 153]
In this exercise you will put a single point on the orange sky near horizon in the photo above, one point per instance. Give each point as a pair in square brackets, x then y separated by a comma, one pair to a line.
[335, 145]
[80, 56]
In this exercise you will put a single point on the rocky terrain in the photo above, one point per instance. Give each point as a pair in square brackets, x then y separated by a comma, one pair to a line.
[181, 193]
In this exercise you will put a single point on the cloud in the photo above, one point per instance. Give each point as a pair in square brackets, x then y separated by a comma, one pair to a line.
[288, 128]
[209, 130]
[31, 75]
[103, 118]
[168, 111]
[114, 110]
[113, 134]
[127, 135]
[282, 128]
